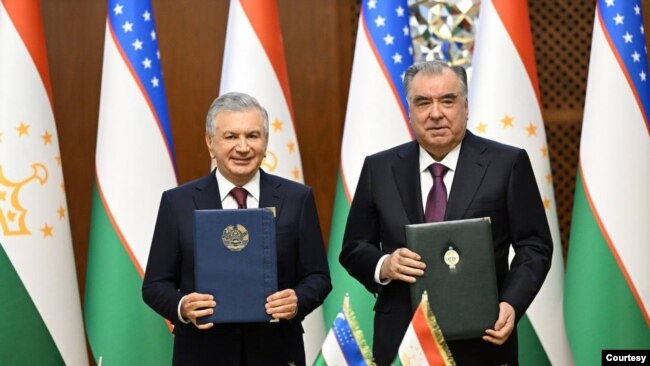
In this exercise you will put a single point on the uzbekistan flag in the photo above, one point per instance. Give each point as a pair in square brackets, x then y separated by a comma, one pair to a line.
[505, 105]
[345, 344]
[607, 298]
[423, 343]
[376, 119]
[254, 63]
[40, 312]
[134, 165]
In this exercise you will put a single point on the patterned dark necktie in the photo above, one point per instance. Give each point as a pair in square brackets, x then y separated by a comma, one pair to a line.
[437, 199]
[239, 194]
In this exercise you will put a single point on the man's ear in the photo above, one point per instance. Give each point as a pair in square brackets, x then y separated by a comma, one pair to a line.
[208, 142]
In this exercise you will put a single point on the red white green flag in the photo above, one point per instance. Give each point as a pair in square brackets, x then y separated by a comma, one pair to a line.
[423, 343]
[40, 312]
[505, 105]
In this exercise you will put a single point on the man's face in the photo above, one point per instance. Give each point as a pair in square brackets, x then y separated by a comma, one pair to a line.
[238, 144]
[438, 112]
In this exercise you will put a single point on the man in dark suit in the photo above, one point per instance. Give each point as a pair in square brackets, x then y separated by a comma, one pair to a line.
[236, 136]
[483, 178]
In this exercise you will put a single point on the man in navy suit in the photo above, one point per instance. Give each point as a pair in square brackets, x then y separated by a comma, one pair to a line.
[483, 178]
[237, 136]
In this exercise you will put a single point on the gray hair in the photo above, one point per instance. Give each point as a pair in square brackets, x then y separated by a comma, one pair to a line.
[234, 102]
[434, 67]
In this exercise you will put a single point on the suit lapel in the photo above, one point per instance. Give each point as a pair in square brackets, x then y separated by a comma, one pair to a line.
[407, 176]
[270, 195]
[471, 168]
[206, 195]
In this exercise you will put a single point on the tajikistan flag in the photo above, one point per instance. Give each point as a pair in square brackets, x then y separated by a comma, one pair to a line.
[40, 313]
[423, 343]
[254, 63]
[134, 165]
[607, 298]
[376, 119]
[505, 105]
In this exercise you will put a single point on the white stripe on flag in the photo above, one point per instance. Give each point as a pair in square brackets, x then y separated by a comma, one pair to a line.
[410, 349]
[44, 262]
[248, 69]
[374, 119]
[133, 164]
[331, 351]
[615, 147]
[501, 87]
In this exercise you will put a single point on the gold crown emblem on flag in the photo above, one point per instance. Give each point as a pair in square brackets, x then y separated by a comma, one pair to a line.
[270, 161]
[12, 212]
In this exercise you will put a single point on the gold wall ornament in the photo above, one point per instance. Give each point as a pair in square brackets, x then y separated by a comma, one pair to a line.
[235, 237]
[444, 30]
[12, 212]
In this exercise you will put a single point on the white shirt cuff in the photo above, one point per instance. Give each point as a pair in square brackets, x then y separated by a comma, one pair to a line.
[378, 271]
[180, 317]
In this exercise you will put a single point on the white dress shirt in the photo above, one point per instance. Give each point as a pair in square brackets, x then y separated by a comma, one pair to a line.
[426, 183]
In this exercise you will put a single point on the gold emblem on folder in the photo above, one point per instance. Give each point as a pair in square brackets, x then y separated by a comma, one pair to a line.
[451, 258]
[235, 237]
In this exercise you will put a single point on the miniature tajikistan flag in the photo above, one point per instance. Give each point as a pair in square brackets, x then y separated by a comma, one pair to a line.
[423, 342]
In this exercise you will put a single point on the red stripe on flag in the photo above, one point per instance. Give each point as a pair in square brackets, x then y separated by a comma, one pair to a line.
[264, 18]
[514, 15]
[426, 339]
[116, 227]
[119, 234]
[26, 16]
[349, 195]
[612, 248]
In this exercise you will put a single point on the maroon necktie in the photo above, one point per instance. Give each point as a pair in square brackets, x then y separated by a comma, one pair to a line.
[437, 199]
[239, 194]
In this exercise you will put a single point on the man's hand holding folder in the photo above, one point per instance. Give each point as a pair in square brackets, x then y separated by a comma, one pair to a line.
[280, 305]
[197, 305]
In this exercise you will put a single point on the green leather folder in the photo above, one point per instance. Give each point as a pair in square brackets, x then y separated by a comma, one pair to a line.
[460, 277]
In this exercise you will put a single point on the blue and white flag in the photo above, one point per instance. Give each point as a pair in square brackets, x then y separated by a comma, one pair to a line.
[607, 293]
[376, 119]
[345, 344]
[134, 165]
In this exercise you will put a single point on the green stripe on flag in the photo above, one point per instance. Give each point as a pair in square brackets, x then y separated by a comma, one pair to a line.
[319, 361]
[531, 351]
[24, 337]
[121, 329]
[360, 299]
[600, 310]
